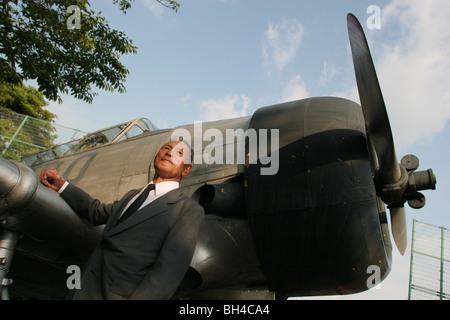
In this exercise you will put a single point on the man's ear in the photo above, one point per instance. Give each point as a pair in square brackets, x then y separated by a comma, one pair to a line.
[186, 170]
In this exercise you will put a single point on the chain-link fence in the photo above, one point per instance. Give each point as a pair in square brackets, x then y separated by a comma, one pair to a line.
[430, 262]
[21, 135]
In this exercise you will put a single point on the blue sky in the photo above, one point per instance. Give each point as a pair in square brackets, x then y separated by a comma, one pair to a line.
[218, 59]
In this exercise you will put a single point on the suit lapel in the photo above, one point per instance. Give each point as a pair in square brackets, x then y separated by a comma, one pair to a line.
[154, 208]
[115, 215]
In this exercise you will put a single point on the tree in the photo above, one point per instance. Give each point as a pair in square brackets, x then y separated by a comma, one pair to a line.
[65, 47]
[25, 100]
[64, 51]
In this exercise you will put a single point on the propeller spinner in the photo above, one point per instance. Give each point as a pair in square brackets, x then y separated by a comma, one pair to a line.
[396, 182]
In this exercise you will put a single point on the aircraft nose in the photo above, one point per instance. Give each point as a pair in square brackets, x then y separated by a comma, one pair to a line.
[28, 206]
[315, 223]
[17, 185]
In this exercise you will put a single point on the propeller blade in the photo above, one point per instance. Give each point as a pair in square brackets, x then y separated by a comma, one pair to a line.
[377, 122]
[398, 222]
[372, 103]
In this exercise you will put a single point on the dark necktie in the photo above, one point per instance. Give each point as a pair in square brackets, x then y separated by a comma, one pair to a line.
[136, 203]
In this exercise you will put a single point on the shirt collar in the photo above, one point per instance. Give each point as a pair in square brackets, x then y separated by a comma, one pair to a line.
[166, 186]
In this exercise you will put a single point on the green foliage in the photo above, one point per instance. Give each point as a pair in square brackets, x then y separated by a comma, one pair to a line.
[36, 43]
[169, 4]
[24, 100]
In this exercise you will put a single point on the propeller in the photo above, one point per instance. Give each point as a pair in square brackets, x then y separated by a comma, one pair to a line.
[395, 182]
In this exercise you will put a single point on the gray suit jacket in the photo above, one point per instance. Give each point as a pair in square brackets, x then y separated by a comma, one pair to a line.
[144, 257]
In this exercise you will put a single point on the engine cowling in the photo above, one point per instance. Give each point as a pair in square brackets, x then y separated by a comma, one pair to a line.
[316, 223]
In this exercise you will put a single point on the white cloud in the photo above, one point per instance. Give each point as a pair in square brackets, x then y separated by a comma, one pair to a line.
[349, 93]
[229, 107]
[281, 43]
[157, 9]
[67, 113]
[328, 73]
[295, 90]
[71, 122]
[185, 99]
[413, 70]
[76, 114]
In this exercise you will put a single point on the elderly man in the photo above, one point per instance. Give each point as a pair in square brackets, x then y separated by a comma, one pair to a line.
[149, 237]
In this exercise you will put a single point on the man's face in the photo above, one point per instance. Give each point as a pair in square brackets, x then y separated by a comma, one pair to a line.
[171, 161]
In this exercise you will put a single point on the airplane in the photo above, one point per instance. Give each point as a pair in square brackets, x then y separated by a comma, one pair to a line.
[304, 214]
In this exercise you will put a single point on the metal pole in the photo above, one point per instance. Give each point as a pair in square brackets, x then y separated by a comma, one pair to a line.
[8, 241]
[15, 134]
[411, 262]
[441, 295]
[74, 134]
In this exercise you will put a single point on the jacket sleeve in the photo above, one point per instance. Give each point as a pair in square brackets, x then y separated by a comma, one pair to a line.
[87, 207]
[175, 257]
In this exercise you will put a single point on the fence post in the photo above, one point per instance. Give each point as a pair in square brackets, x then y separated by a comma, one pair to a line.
[441, 296]
[75, 133]
[411, 262]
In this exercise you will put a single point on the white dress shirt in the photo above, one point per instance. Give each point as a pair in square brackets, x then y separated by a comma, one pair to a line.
[160, 189]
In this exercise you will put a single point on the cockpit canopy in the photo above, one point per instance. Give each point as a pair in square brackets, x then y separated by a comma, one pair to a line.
[92, 140]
